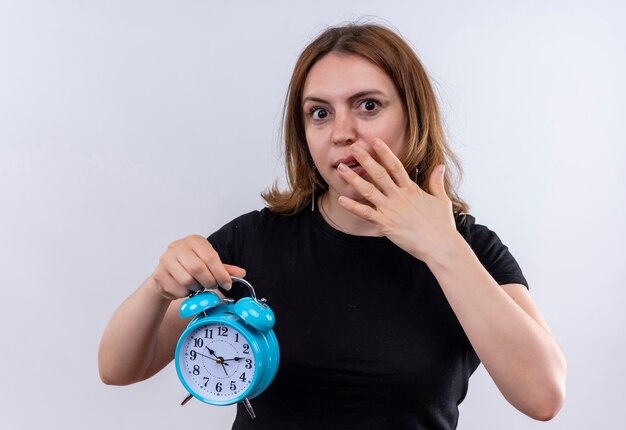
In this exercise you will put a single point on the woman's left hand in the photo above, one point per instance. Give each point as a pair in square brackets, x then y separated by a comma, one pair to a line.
[420, 223]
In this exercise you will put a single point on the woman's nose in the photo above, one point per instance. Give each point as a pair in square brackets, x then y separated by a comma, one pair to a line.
[344, 129]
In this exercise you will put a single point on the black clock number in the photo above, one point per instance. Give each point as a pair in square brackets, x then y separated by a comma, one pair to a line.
[193, 355]
[206, 380]
[236, 337]
[222, 331]
[208, 333]
[233, 387]
[218, 387]
[246, 348]
[198, 343]
[243, 377]
[248, 364]
[196, 370]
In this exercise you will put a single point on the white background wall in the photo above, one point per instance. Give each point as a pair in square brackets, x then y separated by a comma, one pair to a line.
[127, 124]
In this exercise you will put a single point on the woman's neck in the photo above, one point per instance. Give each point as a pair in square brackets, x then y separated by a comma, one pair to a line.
[340, 219]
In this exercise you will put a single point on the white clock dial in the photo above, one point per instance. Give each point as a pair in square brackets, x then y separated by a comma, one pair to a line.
[217, 362]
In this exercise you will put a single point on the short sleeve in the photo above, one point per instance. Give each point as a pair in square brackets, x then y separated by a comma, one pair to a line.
[491, 252]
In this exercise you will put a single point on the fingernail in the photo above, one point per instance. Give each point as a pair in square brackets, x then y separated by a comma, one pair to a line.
[227, 286]
[355, 149]
[342, 167]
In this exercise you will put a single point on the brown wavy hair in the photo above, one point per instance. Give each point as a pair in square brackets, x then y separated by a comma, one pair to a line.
[426, 147]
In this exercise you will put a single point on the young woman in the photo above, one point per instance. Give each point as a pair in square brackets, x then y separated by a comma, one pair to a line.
[387, 293]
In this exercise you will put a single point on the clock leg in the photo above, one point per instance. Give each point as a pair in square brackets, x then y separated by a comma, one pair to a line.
[184, 402]
[248, 406]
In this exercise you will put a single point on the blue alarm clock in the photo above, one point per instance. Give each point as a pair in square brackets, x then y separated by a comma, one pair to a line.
[228, 353]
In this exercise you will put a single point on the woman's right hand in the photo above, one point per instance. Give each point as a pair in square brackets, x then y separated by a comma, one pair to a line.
[189, 264]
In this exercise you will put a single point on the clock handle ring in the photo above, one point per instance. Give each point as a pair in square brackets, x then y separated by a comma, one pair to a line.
[247, 284]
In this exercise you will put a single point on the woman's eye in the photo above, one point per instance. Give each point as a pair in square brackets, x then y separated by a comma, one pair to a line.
[369, 105]
[319, 114]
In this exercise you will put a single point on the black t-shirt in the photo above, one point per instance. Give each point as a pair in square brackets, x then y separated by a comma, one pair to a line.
[367, 337]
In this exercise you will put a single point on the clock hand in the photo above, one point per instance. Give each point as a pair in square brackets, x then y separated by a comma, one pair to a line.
[211, 352]
[231, 359]
[211, 358]
[219, 360]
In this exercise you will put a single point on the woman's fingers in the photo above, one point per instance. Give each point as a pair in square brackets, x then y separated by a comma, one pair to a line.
[387, 175]
[437, 184]
[191, 264]
[367, 189]
[235, 270]
[379, 174]
[393, 166]
[167, 286]
[359, 209]
[203, 249]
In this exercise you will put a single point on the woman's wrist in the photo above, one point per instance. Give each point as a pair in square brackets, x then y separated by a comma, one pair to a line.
[447, 251]
[156, 295]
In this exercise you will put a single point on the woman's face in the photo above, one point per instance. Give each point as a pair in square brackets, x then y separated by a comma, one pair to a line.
[347, 100]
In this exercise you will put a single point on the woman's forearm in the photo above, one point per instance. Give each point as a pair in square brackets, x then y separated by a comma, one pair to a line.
[518, 351]
[129, 341]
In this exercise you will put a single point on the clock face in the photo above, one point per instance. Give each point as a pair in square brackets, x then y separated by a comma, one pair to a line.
[217, 362]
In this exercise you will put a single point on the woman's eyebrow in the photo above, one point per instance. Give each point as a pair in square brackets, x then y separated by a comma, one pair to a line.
[351, 99]
[313, 99]
[367, 93]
